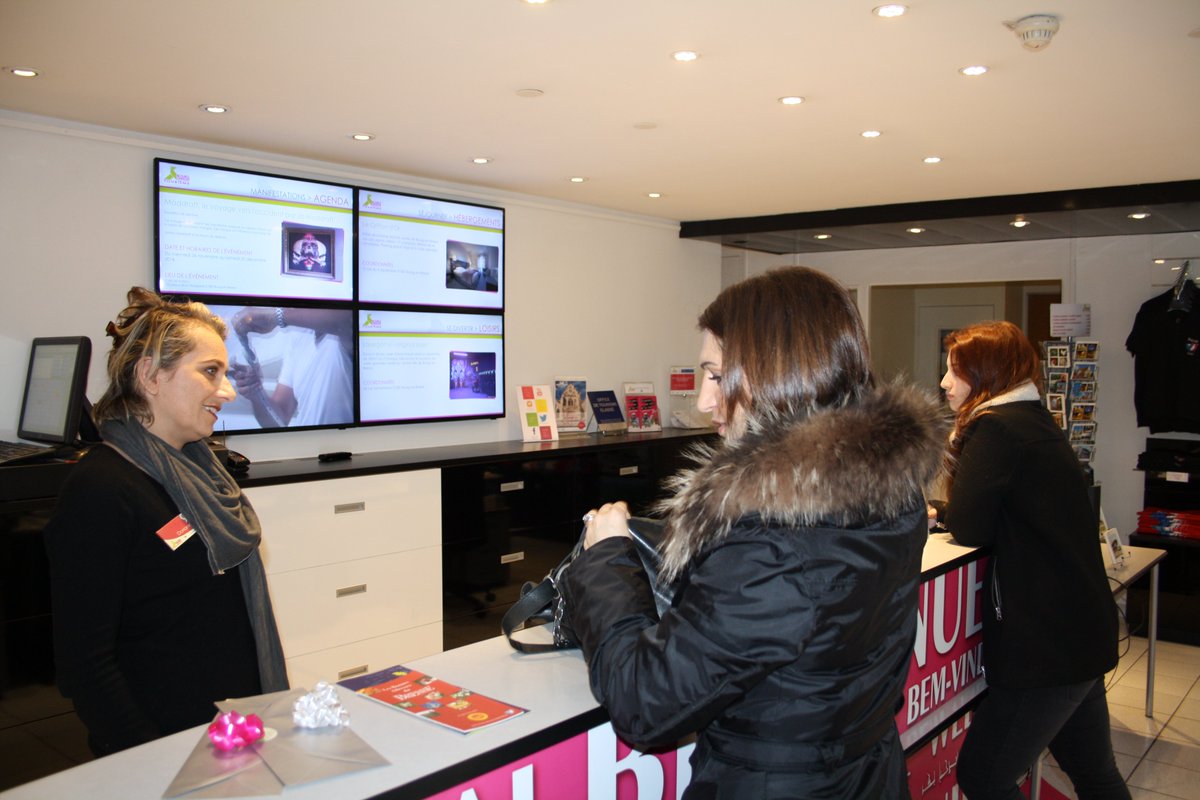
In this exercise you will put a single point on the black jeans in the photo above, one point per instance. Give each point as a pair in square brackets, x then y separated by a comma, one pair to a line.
[1012, 727]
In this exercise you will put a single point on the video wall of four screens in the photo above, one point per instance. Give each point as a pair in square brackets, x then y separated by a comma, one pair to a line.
[344, 305]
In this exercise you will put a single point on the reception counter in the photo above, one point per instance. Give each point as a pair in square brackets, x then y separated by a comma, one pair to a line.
[564, 747]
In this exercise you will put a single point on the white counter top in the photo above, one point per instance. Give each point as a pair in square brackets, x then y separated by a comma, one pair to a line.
[553, 686]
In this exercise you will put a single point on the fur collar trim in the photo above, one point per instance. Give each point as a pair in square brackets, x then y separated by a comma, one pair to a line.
[841, 467]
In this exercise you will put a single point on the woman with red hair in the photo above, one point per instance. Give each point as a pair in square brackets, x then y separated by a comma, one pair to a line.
[1049, 620]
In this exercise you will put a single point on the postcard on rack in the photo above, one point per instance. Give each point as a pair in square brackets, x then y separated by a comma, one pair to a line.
[1056, 381]
[1083, 412]
[641, 407]
[431, 699]
[1058, 355]
[570, 404]
[1083, 391]
[535, 409]
[1087, 350]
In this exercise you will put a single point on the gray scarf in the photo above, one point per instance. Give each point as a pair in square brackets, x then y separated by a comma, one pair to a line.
[210, 499]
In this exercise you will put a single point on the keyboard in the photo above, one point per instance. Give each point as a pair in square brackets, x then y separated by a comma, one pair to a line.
[17, 452]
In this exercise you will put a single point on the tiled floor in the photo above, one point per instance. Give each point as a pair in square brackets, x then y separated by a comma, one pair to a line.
[1159, 757]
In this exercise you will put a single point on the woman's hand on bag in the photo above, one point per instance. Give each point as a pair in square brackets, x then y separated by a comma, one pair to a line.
[612, 519]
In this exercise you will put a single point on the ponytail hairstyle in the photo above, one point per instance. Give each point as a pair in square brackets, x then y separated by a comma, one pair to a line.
[992, 358]
[792, 342]
[154, 328]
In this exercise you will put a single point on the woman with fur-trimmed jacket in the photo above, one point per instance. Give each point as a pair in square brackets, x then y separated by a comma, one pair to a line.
[795, 547]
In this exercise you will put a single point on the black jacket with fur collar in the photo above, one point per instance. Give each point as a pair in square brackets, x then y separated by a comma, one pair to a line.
[797, 551]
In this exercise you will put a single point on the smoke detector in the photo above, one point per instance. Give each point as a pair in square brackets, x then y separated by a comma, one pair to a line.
[1035, 31]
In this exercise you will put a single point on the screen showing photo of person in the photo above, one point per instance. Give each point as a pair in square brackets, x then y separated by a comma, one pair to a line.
[218, 233]
[425, 366]
[292, 367]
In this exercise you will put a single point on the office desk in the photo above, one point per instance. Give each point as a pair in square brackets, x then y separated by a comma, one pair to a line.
[1137, 562]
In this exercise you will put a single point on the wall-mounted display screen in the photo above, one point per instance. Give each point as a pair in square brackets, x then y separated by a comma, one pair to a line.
[225, 232]
[421, 251]
[296, 375]
[427, 365]
[409, 328]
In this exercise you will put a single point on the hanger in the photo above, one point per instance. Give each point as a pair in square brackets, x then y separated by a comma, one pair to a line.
[1184, 290]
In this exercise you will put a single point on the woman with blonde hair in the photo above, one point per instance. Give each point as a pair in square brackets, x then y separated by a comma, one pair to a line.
[1049, 621]
[159, 598]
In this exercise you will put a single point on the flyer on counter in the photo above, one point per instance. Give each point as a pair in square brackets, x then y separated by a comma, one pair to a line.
[436, 700]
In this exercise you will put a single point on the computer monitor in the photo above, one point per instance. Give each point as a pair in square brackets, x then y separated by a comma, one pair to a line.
[55, 390]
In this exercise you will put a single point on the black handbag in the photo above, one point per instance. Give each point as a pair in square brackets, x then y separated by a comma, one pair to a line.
[542, 602]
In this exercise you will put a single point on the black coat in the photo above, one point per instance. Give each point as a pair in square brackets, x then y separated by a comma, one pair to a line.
[1050, 618]
[798, 552]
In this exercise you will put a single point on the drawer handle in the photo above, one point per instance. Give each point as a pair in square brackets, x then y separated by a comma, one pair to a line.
[628, 471]
[346, 591]
[350, 673]
[512, 486]
[509, 558]
[347, 508]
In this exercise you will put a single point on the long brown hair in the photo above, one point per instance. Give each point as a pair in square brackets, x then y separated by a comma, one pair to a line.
[154, 328]
[992, 358]
[792, 342]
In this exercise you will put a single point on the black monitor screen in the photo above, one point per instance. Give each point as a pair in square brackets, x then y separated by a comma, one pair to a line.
[55, 387]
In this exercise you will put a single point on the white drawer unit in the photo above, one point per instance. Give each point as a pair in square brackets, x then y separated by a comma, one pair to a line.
[352, 600]
[355, 567]
[344, 519]
[368, 655]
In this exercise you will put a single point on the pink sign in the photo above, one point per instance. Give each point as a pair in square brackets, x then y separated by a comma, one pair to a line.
[946, 670]
[596, 765]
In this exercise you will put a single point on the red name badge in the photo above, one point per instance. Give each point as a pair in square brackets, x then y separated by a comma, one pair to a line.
[176, 532]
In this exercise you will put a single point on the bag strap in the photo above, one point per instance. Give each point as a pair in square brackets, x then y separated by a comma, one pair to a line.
[537, 599]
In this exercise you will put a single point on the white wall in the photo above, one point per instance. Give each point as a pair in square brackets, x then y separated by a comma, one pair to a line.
[589, 292]
[1113, 274]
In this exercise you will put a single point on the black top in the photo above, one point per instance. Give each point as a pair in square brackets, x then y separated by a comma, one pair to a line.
[1049, 618]
[1165, 345]
[146, 638]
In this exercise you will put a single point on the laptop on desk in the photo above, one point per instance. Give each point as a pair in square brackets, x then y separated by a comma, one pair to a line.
[54, 405]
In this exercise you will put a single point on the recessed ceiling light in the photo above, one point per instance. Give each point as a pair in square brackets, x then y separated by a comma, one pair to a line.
[915, 229]
[655, 195]
[972, 71]
[481, 160]
[1161, 261]
[933, 159]
[578, 179]
[792, 100]
[1139, 215]
[645, 126]
[535, 2]
[23, 72]
[529, 93]
[362, 137]
[214, 109]
[823, 236]
[889, 10]
[1019, 222]
[871, 134]
[685, 55]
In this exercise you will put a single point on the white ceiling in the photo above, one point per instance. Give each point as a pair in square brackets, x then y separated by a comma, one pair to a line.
[1114, 100]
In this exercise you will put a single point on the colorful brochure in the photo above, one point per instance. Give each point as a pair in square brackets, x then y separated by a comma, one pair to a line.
[427, 697]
